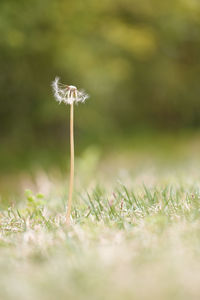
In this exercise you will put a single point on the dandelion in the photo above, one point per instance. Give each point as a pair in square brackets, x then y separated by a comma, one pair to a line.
[69, 94]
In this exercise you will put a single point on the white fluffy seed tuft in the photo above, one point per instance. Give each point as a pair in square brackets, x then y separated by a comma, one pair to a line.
[68, 93]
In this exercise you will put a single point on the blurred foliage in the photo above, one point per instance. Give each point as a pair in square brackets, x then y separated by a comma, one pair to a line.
[138, 59]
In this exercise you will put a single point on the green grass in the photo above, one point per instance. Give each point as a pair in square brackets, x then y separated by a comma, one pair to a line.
[135, 242]
[135, 231]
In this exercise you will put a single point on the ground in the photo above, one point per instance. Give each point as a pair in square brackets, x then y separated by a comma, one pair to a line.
[134, 233]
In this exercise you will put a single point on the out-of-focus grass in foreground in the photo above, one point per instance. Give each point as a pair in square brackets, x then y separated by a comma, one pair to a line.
[126, 241]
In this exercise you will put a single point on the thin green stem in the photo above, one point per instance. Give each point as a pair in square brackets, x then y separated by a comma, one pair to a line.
[71, 179]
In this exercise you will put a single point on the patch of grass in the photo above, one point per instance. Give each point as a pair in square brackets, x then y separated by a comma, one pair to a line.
[136, 242]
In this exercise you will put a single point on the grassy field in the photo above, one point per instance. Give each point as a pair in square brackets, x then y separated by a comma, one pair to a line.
[134, 234]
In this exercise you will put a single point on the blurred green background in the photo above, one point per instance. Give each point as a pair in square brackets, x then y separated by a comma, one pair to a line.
[138, 59]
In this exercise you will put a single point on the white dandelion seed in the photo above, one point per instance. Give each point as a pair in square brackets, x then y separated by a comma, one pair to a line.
[68, 93]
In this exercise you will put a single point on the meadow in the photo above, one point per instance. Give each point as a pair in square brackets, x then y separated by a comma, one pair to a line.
[134, 233]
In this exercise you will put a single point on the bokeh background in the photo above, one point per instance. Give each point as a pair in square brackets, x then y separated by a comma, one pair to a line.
[139, 60]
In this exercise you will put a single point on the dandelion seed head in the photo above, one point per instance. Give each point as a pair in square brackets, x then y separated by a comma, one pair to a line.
[68, 93]
[72, 87]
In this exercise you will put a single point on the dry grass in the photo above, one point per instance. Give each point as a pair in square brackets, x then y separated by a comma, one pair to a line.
[127, 240]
